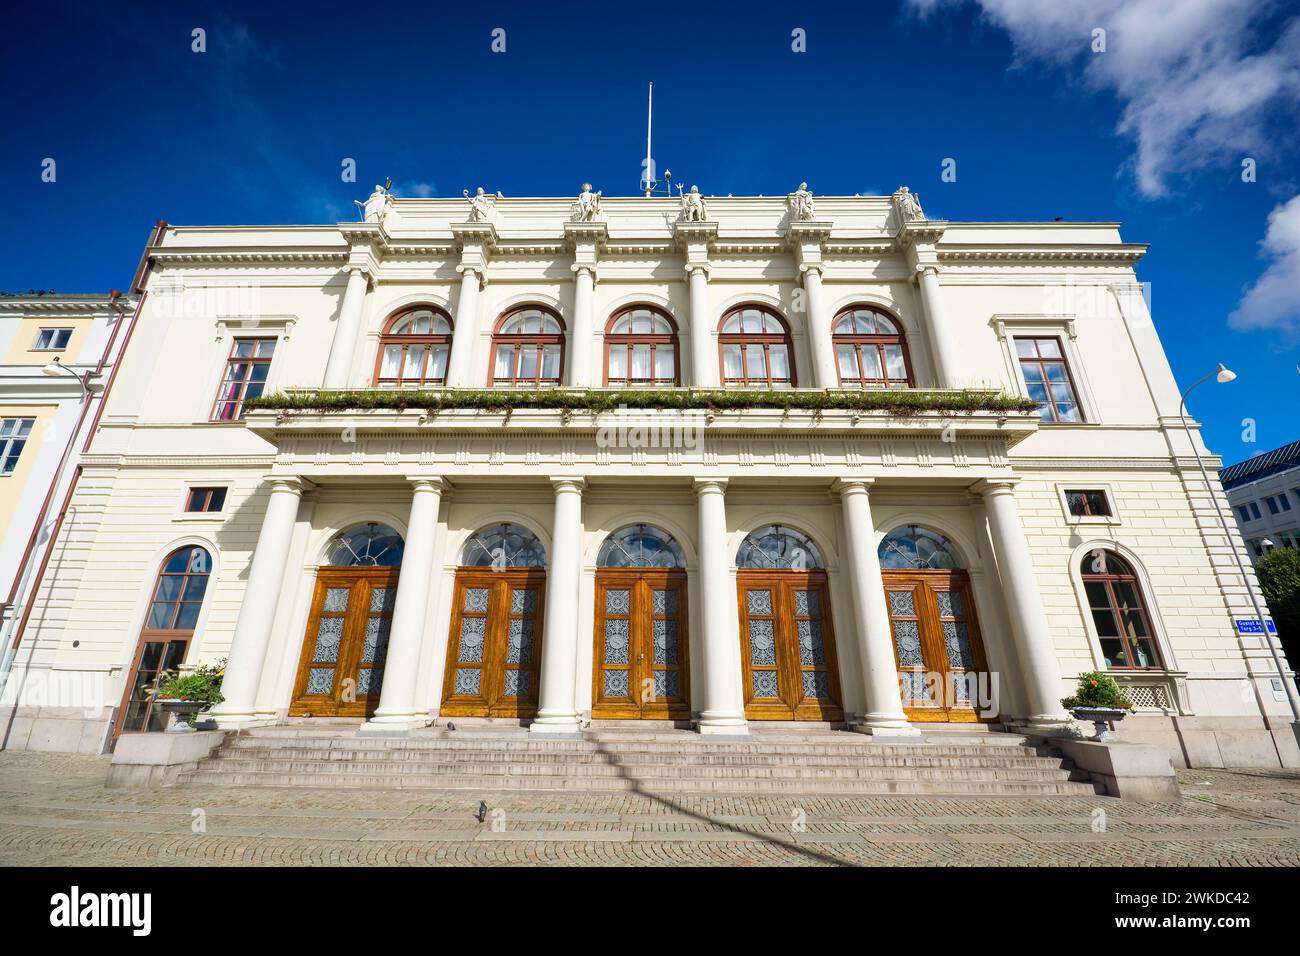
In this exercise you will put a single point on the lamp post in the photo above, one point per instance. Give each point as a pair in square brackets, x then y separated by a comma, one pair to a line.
[53, 368]
[1223, 376]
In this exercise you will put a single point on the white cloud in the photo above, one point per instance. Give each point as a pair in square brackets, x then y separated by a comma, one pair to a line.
[411, 188]
[1273, 302]
[1197, 81]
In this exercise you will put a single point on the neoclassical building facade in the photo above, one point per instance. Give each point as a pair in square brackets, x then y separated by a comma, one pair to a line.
[720, 461]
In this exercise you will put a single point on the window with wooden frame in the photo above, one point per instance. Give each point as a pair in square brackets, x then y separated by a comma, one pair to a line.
[755, 349]
[244, 378]
[201, 500]
[1119, 612]
[1088, 503]
[414, 348]
[1048, 379]
[51, 340]
[528, 349]
[870, 351]
[641, 349]
[169, 625]
[14, 433]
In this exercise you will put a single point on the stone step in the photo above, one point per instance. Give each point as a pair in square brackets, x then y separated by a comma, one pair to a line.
[669, 784]
[372, 768]
[693, 745]
[869, 759]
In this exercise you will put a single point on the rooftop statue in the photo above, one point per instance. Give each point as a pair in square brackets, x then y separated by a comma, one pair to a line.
[587, 208]
[481, 205]
[376, 207]
[908, 205]
[693, 207]
[801, 204]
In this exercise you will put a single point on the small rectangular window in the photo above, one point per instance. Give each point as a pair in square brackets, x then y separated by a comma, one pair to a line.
[13, 436]
[1088, 503]
[1284, 501]
[1272, 505]
[1254, 510]
[205, 499]
[51, 339]
[1244, 512]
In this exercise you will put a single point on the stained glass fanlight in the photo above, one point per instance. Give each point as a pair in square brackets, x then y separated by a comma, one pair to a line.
[371, 545]
[777, 547]
[503, 545]
[913, 548]
[640, 546]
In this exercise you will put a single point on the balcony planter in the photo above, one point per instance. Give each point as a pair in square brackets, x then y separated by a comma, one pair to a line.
[1098, 700]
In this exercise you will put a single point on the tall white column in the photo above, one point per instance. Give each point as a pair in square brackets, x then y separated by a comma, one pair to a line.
[398, 709]
[723, 707]
[704, 357]
[584, 284]
[344, 347]
[1034, 647]
[459, 373]
[884, 714]
[557, 696]
[819, 330]
[943, 344]
[257, 612]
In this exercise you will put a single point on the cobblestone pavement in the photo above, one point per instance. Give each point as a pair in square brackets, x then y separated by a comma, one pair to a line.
[55, 810]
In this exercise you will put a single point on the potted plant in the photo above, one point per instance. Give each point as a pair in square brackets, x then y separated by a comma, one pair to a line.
[1098, 699]
[185, 696]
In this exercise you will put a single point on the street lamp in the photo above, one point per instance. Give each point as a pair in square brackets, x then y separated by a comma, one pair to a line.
[1222, 376]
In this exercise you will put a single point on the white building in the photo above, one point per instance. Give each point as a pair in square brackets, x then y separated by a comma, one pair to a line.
[516, 554]
[57, 352]
[1264, 492]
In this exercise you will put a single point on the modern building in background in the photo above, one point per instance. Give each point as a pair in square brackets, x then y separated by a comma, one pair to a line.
[58, 352]
[1015, 503]
[1264, 492]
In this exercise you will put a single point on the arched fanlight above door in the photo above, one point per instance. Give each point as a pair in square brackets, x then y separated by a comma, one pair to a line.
[640, 546]
[371, 545]
[914, 548]
[776, 547]
[503, 545]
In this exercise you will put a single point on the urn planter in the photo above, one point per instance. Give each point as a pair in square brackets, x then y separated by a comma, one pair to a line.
[180, 711]
[1101, 718]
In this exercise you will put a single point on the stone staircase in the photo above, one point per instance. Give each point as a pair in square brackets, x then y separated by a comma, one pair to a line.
[655, 758]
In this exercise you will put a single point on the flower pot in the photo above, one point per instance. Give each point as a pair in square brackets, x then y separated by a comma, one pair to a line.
[180, 711]
[1101, 718]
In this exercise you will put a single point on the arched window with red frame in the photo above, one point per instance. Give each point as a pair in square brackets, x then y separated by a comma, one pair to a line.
[870, 350]
[528, 349]
[1119, 612]
[641, 349]
[755, 349]
[413, 348]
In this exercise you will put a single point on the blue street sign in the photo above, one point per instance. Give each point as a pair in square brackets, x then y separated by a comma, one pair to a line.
[1250, 625]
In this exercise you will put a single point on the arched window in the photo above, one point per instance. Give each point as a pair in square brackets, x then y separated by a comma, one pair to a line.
[413, 349]
[371, 545]
[640, 546]
[755, 349]
[640, 349]
[503, 546]
[528, 348]
[169, 625]
[1118, 611]
[777, 547]
[869, 350]
[913, 548]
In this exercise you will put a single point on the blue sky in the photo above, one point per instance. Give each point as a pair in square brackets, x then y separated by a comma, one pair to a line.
[255, 129]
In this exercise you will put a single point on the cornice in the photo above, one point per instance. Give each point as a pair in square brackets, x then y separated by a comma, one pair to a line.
[1125, 253]
[238, 257]
[27, 304]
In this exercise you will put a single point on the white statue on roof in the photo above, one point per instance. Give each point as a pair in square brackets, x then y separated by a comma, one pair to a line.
[908, 205]
[481, 205]
[587, 208]
[801, 204]
[376, 207]
[693, 209]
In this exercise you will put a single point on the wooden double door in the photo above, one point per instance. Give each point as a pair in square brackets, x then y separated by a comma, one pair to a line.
[494, 651]
[937, 645]
[342, 665]
[640, 668]
[787, 645]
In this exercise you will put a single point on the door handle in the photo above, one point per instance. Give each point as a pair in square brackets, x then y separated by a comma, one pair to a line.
[640, 658]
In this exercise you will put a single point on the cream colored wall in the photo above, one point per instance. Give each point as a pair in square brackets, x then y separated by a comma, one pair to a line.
[13, 484]
[21, 351]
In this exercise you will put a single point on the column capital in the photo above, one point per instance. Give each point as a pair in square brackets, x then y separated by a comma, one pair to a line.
[694, 267]
[706, 486]
[852, 486]
[809, 269]
[572, 485]
[428, 482]
[296, 484]
[995, 486]
[478, 269]
[578, 268]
